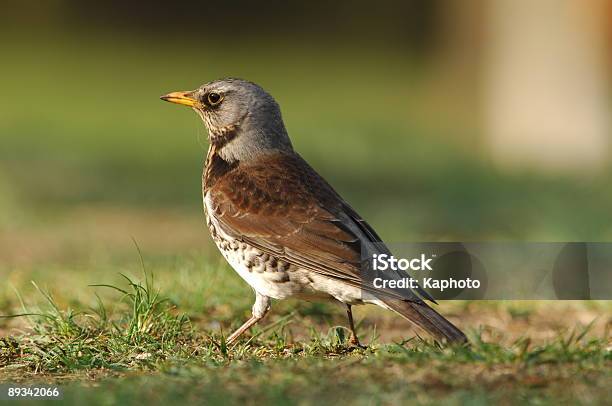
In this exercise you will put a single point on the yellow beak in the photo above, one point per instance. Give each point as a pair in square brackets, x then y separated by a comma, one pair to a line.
[184, 98]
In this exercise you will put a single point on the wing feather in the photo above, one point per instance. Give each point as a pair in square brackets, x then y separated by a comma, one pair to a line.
[283, 207]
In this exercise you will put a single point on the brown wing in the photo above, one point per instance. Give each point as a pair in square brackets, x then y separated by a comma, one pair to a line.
[283, 207]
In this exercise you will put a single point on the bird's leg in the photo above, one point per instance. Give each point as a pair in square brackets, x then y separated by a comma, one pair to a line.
[353, 339]
[260, 309]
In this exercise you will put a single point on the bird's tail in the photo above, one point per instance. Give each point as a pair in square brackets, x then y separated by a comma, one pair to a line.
[428, 319]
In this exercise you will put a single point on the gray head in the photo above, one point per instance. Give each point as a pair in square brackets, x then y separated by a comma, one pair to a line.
[242, 119]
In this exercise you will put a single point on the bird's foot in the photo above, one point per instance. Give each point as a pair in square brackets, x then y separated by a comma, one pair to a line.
[354, 342]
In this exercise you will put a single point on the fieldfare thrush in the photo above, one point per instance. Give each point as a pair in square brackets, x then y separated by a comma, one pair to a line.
[277, 222]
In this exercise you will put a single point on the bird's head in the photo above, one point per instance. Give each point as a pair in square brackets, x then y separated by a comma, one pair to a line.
[242, 119]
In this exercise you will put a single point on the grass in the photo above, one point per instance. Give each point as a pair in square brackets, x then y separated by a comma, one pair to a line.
[135, 332]
[65, 341]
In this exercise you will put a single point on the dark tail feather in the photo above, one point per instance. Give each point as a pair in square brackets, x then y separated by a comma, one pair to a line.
[428, 319]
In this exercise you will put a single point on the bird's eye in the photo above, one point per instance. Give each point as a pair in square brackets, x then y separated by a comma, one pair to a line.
[213, 98]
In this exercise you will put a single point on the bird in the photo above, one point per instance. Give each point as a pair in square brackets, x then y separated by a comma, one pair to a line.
[281, 226]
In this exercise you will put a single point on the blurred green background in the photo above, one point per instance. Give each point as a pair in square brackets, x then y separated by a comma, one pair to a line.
[391, 105]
